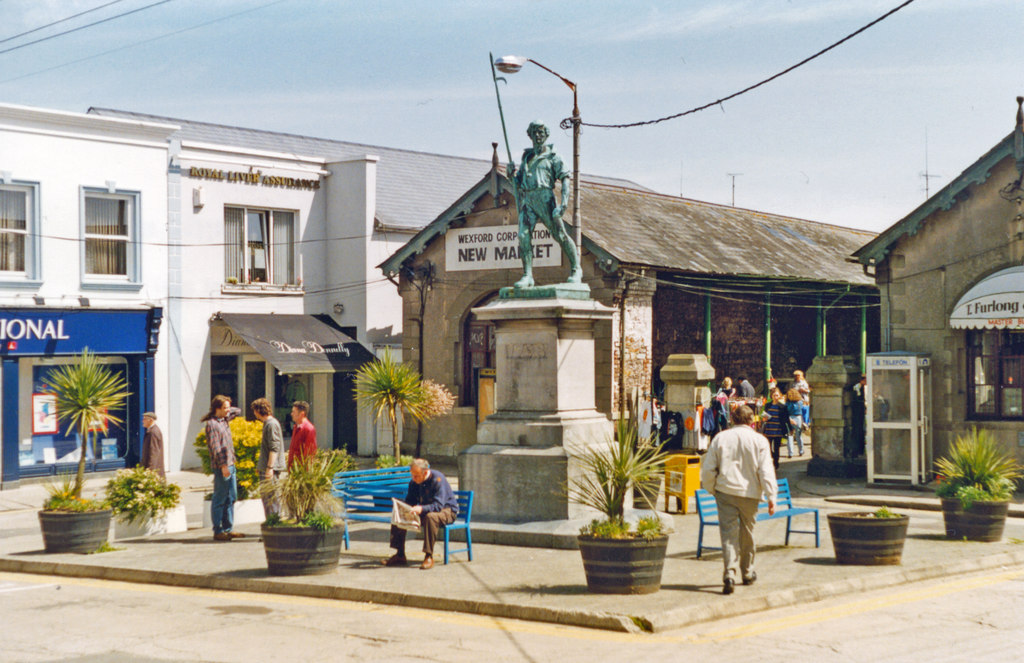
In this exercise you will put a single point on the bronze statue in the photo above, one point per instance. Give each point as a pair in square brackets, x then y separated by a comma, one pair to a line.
[534, 182]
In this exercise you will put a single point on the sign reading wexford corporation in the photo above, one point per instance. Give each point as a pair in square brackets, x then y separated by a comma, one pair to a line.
[496, 247]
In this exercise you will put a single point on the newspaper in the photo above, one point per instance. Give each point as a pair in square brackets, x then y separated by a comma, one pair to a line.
[403, 516]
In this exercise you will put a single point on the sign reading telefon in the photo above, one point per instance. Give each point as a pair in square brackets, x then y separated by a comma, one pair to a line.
[496, 247]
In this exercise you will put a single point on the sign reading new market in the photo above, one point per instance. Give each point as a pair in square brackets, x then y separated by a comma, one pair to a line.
[497, 247]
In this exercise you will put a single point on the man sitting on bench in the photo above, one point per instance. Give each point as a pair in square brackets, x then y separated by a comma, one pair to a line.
[737, 470]
[430, 495]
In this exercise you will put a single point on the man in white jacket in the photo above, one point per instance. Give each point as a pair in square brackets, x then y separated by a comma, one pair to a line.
[737, 470]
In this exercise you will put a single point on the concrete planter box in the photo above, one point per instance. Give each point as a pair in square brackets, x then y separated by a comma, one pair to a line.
[247, 512]
[172, 520]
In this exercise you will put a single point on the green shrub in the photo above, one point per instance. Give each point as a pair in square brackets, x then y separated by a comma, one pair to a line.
[140, 493]
[649, 527]
[342, 459]
[63, 497]
[247, 436]
[885, 513]
[273, 520]
[318, 520]
[385, 461]
[307, 488]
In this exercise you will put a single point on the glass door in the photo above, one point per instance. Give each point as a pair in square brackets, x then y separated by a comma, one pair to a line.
[898, 401]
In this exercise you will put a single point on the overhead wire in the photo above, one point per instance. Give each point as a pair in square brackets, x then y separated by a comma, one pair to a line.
[749, 88]
[141, 42]
[83, 27]
[57, 22]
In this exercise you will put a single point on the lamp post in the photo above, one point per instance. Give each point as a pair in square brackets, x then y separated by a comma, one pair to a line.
[510, 64]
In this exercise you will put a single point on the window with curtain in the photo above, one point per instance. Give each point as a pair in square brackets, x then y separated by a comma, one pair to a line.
[109, 220]
[259, 246]
[16, 205]
[995, 374]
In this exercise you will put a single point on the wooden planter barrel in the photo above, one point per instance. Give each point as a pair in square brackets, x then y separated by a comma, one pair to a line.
[623, 566]
[300, 551]
[72, 531]
[860, 538]
[983, 521]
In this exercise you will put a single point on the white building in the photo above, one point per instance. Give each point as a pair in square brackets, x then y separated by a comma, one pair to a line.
[83, 263]
[263, 225]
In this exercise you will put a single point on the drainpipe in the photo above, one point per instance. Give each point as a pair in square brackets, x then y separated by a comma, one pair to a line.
[622, 348]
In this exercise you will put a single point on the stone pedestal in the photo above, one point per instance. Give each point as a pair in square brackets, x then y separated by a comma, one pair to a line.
[830, 378]
[686, 386]
[545, 410]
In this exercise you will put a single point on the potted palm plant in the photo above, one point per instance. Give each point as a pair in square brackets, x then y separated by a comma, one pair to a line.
[307, 540]
[976, 481]
[619, 558]
[88, 394]
[868, 538]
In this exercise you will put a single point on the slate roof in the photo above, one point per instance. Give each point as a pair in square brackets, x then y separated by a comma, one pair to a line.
[413, 188]
[678, 234]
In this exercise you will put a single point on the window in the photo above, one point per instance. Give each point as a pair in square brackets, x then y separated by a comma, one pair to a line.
[995, 374]
[110, 229]
[18, 230]
[259, 246]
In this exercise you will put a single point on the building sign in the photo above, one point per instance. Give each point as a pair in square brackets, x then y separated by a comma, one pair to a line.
[497, 247]
[66, 332]
[995, 302]
[253, 177]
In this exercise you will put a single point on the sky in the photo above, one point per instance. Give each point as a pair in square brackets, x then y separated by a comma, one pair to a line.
[845, 139]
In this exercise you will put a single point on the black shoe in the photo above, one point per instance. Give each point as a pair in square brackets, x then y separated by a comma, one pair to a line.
[727, 586]
[751, 579]
[397, 559]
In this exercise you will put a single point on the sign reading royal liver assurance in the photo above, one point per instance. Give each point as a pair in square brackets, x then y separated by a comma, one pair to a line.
[497, 247]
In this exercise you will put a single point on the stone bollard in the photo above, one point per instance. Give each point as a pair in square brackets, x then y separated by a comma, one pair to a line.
[686, 379]
[830, 378]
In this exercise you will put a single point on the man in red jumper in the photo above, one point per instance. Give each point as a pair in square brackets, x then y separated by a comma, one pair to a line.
[303, 435]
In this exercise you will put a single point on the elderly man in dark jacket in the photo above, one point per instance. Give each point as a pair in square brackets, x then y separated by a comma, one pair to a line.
[432, 498]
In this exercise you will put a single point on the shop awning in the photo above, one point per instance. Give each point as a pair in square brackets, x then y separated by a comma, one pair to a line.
[298, 343]
[995, 302]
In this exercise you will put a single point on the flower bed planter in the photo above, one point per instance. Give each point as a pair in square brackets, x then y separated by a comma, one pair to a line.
[293, 551]
[172, 520]
[247, 512]
[982, 521]
[623, 566]
[860, 538]
[78, 532]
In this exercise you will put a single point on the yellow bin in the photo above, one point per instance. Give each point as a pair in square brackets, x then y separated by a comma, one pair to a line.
[682, 479]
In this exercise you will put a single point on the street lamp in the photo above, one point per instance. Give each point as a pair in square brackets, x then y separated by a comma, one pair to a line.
[511, 64]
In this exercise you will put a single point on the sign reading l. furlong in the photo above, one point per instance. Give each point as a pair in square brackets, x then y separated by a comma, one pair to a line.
[497, 247]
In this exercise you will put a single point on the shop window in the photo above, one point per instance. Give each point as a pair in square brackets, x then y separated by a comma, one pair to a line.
[18, 231]
[110, 252]
[259, 246]
[995, 374]
[224, 377]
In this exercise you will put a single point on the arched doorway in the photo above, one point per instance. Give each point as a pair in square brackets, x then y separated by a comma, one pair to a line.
[478, 362]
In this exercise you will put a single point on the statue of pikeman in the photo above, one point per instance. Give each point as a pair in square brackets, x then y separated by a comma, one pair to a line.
[534, 182]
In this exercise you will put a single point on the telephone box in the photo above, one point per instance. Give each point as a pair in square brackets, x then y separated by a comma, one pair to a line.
[898, 404]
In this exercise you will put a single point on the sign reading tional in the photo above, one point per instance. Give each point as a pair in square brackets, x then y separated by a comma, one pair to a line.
[497, 247]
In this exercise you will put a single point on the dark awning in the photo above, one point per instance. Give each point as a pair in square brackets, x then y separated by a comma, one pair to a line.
[298, 343]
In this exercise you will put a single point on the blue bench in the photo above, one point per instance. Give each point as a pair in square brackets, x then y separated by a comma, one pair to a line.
[707, 511]
[367, 496]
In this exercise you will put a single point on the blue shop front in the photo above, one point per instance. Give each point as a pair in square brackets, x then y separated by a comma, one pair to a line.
[34, 441]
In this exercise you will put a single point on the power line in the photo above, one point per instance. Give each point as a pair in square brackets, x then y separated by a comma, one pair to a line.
[83, 27]
[139, 43]
[49, 25]
[755, 85]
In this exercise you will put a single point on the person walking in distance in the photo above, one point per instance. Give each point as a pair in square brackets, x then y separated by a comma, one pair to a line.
[222, 460]
[271, 464]
[795, 409]
[303, 435]
[737, 470]
[152, 445]
[776, 426]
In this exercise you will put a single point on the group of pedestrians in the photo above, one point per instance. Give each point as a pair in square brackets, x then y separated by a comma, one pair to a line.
[272, 463]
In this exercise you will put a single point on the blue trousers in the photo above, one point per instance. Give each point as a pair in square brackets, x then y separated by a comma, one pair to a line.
[222, 506]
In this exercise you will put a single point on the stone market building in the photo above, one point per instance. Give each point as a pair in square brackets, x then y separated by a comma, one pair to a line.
[751, 290]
